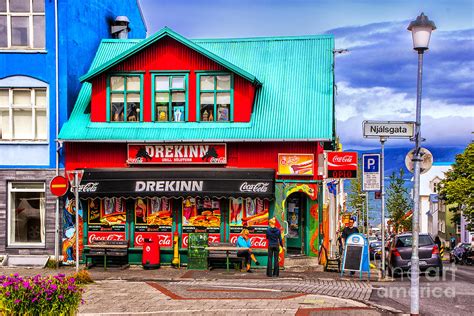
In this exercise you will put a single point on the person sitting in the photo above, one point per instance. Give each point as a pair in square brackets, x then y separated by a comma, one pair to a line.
[244, 242]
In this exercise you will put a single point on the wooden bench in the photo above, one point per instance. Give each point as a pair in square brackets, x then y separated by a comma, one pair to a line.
[226, 251]
[114, 249]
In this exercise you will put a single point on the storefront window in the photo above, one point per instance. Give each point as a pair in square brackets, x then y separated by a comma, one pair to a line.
[201, 214]
[125, 98]
[26, 202]
[106, 219]
[170, 98]
[153, 219]
[215, 98]
[251, 213]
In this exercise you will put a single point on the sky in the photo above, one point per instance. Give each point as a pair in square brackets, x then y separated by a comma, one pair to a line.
[376, 78]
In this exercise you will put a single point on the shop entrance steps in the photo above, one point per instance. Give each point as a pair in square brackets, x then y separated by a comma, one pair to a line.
[301, 263]
[25, 261]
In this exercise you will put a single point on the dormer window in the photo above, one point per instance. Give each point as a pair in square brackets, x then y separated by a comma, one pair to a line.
[125, 95]
[170, 97]
[215, 97]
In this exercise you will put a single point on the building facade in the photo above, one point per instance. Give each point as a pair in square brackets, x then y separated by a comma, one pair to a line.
[178, 136]
[44, 45]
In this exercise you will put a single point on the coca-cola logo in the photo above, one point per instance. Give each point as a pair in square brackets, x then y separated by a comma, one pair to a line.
[342, 158]
[93, 237]
[217, 160]
[213, 238]
[233, 239]
[185, 241]
[261, 187]
[88, 187]
[258, 241]
[163, 240]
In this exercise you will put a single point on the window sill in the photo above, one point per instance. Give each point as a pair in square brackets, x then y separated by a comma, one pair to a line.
[26, 142]
[22, 51]
[26, 246]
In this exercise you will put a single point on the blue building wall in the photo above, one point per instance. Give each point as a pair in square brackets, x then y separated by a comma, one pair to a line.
[81, 26]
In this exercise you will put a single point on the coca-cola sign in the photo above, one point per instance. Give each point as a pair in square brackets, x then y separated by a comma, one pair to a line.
[342, 165]
[93, 236]
[258, 241]
[165, 240]
[88, 187]
[259, 187]
[211, 238]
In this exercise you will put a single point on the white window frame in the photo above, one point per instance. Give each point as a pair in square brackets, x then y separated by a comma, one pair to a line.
[25, 83]
[9, 215]
[31, 31]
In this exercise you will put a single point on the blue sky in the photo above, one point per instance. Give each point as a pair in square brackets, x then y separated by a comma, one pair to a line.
[376, 79]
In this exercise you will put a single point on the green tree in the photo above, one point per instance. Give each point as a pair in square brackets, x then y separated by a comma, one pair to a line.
[356, 197]
[398, 202]
[458, 186]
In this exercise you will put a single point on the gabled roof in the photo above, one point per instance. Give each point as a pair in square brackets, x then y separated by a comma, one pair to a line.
[295, 102]
[153, 39]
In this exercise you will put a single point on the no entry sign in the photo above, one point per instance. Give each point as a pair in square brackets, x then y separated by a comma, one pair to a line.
[59, 186]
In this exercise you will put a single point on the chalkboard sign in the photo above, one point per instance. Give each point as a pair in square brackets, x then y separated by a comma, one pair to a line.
[353, 257]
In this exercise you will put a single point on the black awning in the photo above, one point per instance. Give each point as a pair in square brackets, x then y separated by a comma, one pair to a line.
[209, 182]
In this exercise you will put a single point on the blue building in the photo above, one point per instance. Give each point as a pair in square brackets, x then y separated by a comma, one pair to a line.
[44, 47]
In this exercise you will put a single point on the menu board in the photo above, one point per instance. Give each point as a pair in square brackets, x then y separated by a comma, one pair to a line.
[106, 215]
[251, 213]
[153, 219]
[201, 215]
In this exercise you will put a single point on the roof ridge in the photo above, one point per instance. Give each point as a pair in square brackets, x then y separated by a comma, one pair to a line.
[121, 40]
[265, 38]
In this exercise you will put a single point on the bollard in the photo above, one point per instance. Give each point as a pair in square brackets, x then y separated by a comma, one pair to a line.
[441, 252]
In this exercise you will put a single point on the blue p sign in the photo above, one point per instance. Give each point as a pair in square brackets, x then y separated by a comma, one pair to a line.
[371, 163]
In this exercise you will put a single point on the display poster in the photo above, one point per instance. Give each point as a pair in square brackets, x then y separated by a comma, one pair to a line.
[106, 215]
[251, 214]
[296, 164]
[153, 219]
[201, 215]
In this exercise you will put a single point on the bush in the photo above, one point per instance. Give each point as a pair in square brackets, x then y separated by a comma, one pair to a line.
[83, 277]
[53, 295]
[52, 263]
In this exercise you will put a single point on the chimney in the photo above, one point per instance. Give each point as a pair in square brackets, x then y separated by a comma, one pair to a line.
[119, 27]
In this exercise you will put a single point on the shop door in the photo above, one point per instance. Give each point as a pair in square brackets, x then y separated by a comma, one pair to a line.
[295, 210]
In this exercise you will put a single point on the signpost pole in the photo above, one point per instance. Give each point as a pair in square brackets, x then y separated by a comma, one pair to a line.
[382, 189]
[76, 198]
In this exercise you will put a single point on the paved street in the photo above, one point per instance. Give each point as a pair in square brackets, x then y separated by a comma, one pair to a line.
[453, 294]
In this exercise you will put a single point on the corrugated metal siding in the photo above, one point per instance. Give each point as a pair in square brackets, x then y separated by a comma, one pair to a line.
[294, 103]
[239, 155]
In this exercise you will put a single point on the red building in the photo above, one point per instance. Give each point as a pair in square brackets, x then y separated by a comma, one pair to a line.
[177, 136]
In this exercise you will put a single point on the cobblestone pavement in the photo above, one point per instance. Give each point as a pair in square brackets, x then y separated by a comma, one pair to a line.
[110, 297]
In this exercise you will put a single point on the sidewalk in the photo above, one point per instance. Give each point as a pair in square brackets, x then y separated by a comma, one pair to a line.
[176, 291]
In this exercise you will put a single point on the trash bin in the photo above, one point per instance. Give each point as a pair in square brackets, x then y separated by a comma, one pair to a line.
[151, 253]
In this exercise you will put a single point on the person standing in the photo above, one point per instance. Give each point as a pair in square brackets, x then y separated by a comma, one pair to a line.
[244, 242]
[274, 243]
[348, 230]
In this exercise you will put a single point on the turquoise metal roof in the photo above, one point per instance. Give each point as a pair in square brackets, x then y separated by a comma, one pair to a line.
[295, 101]
[153, 39]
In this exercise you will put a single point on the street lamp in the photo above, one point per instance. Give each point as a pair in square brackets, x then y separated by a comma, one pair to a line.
[421, 30]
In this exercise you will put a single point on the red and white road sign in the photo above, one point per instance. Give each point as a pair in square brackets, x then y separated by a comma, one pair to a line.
[59, 186]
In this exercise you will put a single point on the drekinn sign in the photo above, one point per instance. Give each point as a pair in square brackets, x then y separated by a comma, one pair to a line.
[388, 129]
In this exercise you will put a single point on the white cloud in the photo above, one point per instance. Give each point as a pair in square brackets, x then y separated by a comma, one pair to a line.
[442, 122]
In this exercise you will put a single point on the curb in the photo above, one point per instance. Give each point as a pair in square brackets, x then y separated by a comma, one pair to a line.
[385, 308]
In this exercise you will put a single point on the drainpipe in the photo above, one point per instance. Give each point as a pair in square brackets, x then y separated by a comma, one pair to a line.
[58, 144]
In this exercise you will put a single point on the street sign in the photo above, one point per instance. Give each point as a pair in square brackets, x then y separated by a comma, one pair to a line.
[70, 176]
[426, 160]
[371, 172]
[391, 129]
[342, 164]
[58, 186]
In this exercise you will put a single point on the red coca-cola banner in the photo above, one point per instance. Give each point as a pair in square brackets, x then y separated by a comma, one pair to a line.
[211, 238]
[177, 154]
[342, 164]
[165, 240]
[258, 241]
[91, 236]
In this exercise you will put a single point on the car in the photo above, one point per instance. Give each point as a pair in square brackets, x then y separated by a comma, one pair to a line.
[372, 239]
[457, 254]
[400, 251]
[375, 249]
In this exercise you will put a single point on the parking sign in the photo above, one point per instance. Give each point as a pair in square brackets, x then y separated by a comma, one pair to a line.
[371, 172]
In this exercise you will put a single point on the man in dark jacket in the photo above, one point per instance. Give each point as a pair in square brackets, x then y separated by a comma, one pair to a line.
[274, 243]
[349, 230]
